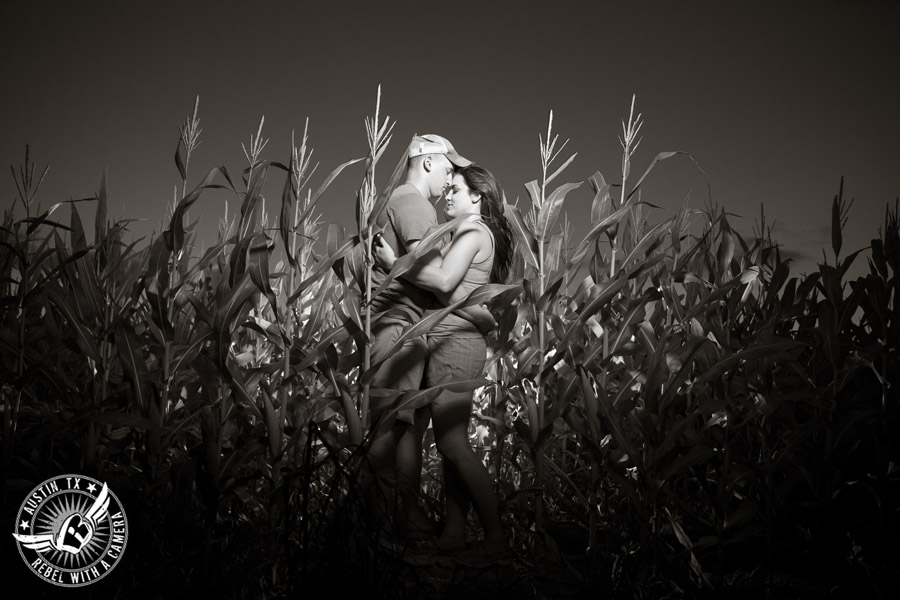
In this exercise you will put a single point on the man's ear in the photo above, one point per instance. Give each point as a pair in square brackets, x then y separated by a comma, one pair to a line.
[426, 163]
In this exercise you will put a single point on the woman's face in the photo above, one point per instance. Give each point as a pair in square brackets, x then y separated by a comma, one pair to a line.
[460, 198]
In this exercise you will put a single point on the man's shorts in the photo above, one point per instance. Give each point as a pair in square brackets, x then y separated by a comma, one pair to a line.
[403, 370]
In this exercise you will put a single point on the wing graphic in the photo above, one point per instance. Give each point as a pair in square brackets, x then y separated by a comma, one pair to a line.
[41, 542]
[99, 509]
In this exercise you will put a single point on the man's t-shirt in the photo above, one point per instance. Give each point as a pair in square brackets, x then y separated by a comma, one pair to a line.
[406, 219]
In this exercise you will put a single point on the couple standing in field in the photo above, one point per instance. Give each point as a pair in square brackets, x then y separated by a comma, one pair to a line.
[479, 252]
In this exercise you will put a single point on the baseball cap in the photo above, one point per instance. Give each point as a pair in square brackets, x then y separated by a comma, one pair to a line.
[435, 144]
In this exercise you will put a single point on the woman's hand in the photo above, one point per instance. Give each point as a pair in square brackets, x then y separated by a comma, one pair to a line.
[383, 253]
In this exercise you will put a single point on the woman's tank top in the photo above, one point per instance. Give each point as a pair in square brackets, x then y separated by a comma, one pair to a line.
[478, 274]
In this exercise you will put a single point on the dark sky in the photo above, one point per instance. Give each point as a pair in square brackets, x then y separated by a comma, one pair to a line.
[776, 100]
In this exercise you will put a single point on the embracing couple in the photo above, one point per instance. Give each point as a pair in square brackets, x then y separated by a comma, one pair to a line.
[479, 252]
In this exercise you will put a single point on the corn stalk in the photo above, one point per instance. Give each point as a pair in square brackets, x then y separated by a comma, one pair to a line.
[534, 237]
[378, 136]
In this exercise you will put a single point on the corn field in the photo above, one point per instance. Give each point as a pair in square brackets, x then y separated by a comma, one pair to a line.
[666, 410]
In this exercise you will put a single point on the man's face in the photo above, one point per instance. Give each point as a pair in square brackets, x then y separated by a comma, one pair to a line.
[440, 175]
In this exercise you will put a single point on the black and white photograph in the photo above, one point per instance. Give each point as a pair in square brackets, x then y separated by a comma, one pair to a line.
[520, 300]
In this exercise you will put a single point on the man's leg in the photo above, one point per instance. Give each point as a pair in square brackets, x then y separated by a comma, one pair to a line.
[400, 371]
[409, 475]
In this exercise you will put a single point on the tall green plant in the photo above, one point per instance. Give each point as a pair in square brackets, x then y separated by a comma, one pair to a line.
[378, 136]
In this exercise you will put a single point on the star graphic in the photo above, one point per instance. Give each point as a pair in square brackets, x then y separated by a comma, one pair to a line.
[24, 524]
[92, 488]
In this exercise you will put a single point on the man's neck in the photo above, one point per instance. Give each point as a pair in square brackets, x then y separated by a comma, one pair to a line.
[419, 183]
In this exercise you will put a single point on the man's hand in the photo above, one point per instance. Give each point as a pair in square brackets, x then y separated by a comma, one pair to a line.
[383, 253]
[479, 316]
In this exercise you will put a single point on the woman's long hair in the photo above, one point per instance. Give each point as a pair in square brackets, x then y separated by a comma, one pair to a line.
[481, 180]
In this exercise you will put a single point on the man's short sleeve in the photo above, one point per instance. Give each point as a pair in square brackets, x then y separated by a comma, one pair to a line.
[412, 216]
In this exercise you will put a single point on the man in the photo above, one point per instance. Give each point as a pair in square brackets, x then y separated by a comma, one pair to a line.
[396, 450]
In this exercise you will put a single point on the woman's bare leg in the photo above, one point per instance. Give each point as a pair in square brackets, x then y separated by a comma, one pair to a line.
[466, 474]
[456, 510]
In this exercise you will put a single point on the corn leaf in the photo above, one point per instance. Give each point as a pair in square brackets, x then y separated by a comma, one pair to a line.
[659, 158]
[588, 242]
[252, 203]
[324, 186]
[549, 212]
[560, 169]
[534, 191]
[526, 242]
[100, 224]
[324, 266]
[231, 303]
[179, 161]
[286, 225]
[174, 235]
[132, 357]
[258, 262]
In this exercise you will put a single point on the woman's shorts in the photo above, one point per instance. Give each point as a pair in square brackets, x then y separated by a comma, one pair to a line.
[454, 358]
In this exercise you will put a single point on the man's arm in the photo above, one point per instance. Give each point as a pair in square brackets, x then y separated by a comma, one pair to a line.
[479, 316]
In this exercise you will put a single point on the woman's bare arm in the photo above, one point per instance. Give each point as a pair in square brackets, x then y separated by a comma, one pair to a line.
[443, 277]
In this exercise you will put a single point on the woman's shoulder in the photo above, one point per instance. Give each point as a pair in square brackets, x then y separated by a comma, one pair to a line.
[475, 233]
[473, 225]
[472, 230]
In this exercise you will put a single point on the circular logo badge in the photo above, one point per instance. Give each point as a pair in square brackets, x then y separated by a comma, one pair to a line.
[71, 530]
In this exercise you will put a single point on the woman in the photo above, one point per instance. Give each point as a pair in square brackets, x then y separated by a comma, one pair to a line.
[480, 252]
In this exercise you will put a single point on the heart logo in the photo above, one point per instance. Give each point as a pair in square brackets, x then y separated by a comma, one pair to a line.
[74, 534]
